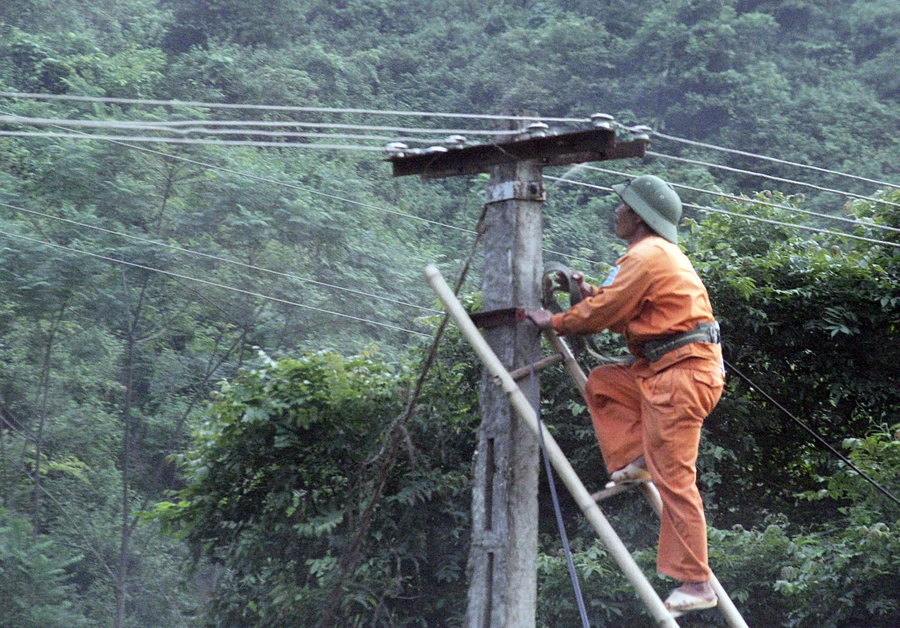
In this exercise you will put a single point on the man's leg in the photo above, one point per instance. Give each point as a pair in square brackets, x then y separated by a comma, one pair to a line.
[614, 402]
[675, 402]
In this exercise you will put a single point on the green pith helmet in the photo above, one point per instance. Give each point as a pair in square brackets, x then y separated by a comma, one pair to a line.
[655, 202]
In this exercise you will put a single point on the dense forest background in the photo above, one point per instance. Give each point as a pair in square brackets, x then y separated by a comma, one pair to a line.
[205, 347]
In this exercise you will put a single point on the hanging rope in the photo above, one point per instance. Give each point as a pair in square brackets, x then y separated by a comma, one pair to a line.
[582, 611]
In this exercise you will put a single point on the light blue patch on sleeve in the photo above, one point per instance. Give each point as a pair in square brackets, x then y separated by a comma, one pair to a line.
[610, 277]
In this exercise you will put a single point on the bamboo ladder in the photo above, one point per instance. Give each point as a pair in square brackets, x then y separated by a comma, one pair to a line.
[586, 502]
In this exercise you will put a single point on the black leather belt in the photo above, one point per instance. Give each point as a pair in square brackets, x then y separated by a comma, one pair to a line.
[704, 332]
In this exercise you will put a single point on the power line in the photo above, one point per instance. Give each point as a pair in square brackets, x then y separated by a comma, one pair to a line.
[174, 127]
[287, 135]
[337, 110]
[772, 178]
[279, 144]
[824, 443]
[759, 202]
[285, 184]
[200, 126]
[772, 159]
[317, 192]
[217, 258]
[286, 108]
[747, 216]
[184, 140]
[796, 210]
[211, 283]
[839, 234]
[294, 145]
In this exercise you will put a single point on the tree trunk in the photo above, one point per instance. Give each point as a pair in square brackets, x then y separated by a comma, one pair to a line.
[121, 585]
[44, 392]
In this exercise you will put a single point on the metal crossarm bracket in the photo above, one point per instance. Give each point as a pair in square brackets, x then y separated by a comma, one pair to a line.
[547, 150]
[515, 190]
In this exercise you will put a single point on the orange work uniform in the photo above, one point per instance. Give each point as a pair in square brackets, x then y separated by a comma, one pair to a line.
[655, 408]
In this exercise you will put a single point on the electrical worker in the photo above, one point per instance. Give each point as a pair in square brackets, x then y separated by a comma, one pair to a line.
[648, 415]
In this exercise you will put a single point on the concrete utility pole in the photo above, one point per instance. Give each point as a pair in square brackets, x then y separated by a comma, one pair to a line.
[503, 553]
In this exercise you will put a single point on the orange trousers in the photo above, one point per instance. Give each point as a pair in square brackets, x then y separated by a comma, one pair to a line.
[660, 417]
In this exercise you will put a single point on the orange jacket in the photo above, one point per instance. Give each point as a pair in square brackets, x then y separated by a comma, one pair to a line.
[651, 293]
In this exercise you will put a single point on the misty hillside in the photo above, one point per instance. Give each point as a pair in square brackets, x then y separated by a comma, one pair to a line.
[213, 305]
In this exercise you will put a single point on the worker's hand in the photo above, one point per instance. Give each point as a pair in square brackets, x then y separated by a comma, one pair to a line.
[585, 288]
[541, 318]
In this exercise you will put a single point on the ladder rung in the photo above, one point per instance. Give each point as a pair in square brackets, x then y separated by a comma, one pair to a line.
[525, 371]
[616, 489]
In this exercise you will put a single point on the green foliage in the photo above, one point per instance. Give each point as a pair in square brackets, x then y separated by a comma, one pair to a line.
[57, 65]
[246, 23]
[311, 411]
[102, 367]
[35, 590]
[813, 323]
[839, 574]
[281, 468]
[114, 24]
[607, 595]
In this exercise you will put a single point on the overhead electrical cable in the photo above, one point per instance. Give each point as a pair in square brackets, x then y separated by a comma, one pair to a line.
[185, 140]
[287, 108]
[200, 126]
[795, 210]
[287, 135]
[821, 441]
[749, 217]
[294, 186]
[339, 110]
[754, 201]
[211, 283]
[217, 258]
[772, 178]
[285, 184]
[173, 127]
[165, 126]
[790, 225]
[772, 159]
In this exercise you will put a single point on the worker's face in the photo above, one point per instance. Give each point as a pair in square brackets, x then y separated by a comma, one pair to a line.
[627, 222]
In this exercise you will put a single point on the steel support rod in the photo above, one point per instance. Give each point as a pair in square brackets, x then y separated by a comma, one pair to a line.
[527, 413]
[527, 371]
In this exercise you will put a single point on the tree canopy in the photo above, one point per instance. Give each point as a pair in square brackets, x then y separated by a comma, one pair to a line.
[204, 347]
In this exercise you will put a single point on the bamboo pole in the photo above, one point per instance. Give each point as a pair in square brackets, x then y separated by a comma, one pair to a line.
[581, 495]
